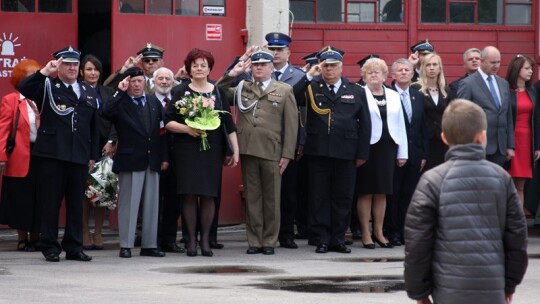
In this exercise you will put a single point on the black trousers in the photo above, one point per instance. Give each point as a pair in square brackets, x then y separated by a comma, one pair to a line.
[405, 180]
[301, 217]
[170, 208]
[331, 190]
[60, 179]
[289, 201]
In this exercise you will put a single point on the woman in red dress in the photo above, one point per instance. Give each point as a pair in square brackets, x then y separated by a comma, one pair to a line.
[526, 117]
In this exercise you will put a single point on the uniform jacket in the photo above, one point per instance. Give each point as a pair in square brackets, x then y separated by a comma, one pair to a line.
[416, 131]
[137, 148]
[465, 232]
[535, 118]
[349, 132]
[18, 162]
[73, 137]
[500, 132]
[269, 132]
[394, 119]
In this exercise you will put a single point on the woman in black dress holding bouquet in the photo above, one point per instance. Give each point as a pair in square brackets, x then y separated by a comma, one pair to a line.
[199, 166]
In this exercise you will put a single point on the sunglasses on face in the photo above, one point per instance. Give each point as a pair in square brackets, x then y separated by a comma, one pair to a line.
[148, 60]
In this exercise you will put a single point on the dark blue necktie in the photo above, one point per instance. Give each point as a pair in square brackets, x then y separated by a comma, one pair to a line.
[493, 91]
[277, 74]
[140, 101]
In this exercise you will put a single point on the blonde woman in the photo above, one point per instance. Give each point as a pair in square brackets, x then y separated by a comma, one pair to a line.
[436, 98]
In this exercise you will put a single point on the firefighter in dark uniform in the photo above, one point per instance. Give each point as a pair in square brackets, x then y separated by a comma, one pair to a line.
[338, 133]
[66, 147]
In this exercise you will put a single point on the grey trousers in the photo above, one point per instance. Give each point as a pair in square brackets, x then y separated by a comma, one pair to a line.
[133, 186]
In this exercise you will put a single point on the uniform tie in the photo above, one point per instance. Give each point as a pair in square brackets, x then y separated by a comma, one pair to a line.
[36, 112]
[277, 74]
[332, 92]
[70, 88]
[140, 101]
[406, 105]
[166, 101]
[493, 91]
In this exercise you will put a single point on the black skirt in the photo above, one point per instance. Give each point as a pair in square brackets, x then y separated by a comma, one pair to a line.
[19, 207]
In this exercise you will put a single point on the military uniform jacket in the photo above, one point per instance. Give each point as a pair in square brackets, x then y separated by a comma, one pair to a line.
[269, 130]
[343, 133]
[138, 147]
[73, 137]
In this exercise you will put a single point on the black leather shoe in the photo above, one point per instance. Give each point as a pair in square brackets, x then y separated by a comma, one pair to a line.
[52, 257]
[172, 247]
[349, 242]
[208, 253]
[369, 246]
[216, 245]
[79, 256]
[383, 245]
[253, 250]
[322, 248]
[268, 250]
[341, 248]
[152, 252]
[288, 243]
[125, 253]
[395, 242]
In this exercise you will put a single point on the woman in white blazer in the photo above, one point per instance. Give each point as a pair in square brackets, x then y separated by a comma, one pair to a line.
[388, 149]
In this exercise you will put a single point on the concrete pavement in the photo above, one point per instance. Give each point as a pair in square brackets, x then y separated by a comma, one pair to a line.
[231, 276]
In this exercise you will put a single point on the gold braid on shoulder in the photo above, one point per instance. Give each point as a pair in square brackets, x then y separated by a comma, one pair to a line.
[319, 110]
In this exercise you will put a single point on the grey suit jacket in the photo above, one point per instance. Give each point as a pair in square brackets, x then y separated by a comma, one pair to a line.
[500, 132]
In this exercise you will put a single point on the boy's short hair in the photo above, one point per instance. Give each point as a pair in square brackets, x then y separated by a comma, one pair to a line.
[462, 121]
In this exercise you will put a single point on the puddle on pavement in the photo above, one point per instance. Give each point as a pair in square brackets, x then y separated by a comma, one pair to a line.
[362, 284]
[220, 269]
[368, 260]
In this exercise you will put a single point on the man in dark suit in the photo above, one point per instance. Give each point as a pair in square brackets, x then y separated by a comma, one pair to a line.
[338, 134]
[67, 146]
[492, 93]
[471, 63]
[138, 160]
[407, 176]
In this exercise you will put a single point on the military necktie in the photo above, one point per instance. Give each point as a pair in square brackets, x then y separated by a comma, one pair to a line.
[277, 74]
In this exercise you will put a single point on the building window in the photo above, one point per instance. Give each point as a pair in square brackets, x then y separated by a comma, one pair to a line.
[187, 7]
[132, 6]
[160, 7]
[477, 11]
[348, 11]
[54, 6]
[180, 7]
[18, 6]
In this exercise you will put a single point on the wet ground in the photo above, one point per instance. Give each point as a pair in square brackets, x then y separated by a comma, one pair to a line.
[231, 276]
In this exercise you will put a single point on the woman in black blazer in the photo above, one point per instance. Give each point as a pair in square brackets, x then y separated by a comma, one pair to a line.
[432, 84]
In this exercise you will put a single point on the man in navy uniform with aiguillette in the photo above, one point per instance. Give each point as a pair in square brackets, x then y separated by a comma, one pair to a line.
[66, 147]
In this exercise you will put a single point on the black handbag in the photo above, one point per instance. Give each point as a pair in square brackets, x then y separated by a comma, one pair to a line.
[10, 143]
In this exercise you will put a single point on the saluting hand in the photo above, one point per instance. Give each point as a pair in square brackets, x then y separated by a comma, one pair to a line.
[240, 68]
[414, 58]
[316, 69]
[52, 66]
[124, 84]
[131, 62]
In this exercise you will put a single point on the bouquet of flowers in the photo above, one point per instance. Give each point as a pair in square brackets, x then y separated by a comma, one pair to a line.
[198, 112]
[102, 184]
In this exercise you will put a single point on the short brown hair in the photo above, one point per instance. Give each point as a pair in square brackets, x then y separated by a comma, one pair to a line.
[462, 121]
[195, 54]
[22, 69]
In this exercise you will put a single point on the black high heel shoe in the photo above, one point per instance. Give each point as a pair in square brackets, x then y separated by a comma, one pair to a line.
[368, 246]
[191, 251]
[383, 245]
[208, 253]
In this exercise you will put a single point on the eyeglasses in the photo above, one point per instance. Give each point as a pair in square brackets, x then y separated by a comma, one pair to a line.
[147, 60]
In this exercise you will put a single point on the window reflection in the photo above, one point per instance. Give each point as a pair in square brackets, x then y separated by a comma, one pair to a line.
[518, 14]
[55, 6]
[462, 12]
[392, 10]
[360, 12]
[160, 7]
[433, 11]
[132, 6]
[18, 5]
[187, 7]
[329, 11]
[302, 11]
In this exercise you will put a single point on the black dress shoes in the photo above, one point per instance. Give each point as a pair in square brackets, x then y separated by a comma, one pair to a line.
[268, 250]
[322, 248]
[341, 248]
[288, 243]
[216, 245]
[383, 245]
[52, 257]
[349, 242]
[395, 242]
[152, 252]
[79, 256]
[253, 250]
[125, 253]
[172, 247]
